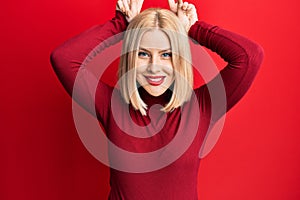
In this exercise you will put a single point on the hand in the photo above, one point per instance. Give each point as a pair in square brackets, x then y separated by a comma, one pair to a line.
[186, 13]
[130, 8]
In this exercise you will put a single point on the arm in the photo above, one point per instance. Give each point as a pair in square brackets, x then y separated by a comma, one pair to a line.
[244, 58]
[69, 58]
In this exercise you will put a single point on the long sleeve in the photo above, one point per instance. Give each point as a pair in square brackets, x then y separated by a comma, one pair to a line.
[69, 59]
[244, 58]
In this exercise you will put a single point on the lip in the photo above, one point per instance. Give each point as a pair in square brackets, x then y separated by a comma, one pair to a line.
[155, 80]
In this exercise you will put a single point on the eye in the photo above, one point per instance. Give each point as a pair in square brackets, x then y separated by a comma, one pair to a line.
[167, 55]
[143, 54]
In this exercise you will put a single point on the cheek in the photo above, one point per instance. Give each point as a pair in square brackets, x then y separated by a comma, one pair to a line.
[141, 63]
[140, 69]
[168, 65]
[169, 69]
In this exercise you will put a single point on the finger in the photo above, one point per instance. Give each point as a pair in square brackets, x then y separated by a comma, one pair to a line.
[185, 5]
[181, 13]
[179, 5]
[191, 10]
[140, 4]
[133, 6]
[120, 5]
[136, 5]
[179, 2]
[171, 3]
[126, 6]
[192, 16]
[190, 7]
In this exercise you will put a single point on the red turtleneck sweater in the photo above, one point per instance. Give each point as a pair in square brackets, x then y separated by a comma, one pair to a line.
[182, 129]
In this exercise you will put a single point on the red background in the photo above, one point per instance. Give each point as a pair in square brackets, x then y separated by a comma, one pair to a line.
[257, 156]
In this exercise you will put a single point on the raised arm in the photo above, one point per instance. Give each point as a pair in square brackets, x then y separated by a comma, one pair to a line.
[67, 59]
[243, 56]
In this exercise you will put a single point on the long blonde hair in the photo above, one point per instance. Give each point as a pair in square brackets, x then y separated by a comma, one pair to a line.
[169, 23]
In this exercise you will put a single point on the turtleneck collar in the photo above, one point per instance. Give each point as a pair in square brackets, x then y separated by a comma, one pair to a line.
[151, 100]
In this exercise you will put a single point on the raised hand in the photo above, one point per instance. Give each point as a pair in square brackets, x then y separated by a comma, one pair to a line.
[130, 8]
[186, 12]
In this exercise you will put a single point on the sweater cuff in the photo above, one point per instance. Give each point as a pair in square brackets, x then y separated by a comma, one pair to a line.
[199, 32]
[194, 30]
[122, 19]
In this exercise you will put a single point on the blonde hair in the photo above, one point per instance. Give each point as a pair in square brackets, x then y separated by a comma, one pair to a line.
[169, 23]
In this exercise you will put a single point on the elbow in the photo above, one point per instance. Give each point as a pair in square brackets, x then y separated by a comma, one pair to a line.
[57, 58]
[53, 56]
[257, 55]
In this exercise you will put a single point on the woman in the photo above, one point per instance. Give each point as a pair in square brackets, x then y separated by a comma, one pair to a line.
[155, 68]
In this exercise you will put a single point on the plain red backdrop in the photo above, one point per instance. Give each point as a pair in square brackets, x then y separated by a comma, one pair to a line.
[42, 157]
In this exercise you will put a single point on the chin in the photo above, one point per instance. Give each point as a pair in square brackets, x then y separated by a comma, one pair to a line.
[156, 93]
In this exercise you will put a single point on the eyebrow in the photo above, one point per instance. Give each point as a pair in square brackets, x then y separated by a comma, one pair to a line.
[144, 49]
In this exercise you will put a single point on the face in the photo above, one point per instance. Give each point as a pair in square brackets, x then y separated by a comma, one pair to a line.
[154, 66]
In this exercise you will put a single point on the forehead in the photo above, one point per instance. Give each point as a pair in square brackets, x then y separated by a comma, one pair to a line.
[155, 39]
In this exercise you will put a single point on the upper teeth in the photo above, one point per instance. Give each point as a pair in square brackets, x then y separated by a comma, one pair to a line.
[155, 79]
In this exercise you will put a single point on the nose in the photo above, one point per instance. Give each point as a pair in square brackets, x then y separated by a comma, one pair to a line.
[154, 65]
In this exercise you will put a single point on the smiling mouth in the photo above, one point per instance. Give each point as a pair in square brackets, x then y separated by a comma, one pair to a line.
[155, 80]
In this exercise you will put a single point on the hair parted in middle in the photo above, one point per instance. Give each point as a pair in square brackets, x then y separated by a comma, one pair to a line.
[168, 22]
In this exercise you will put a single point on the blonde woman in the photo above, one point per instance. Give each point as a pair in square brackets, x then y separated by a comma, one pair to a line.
[155, 69]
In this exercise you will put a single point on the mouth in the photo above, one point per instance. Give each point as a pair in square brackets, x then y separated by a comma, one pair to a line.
[155, 80]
